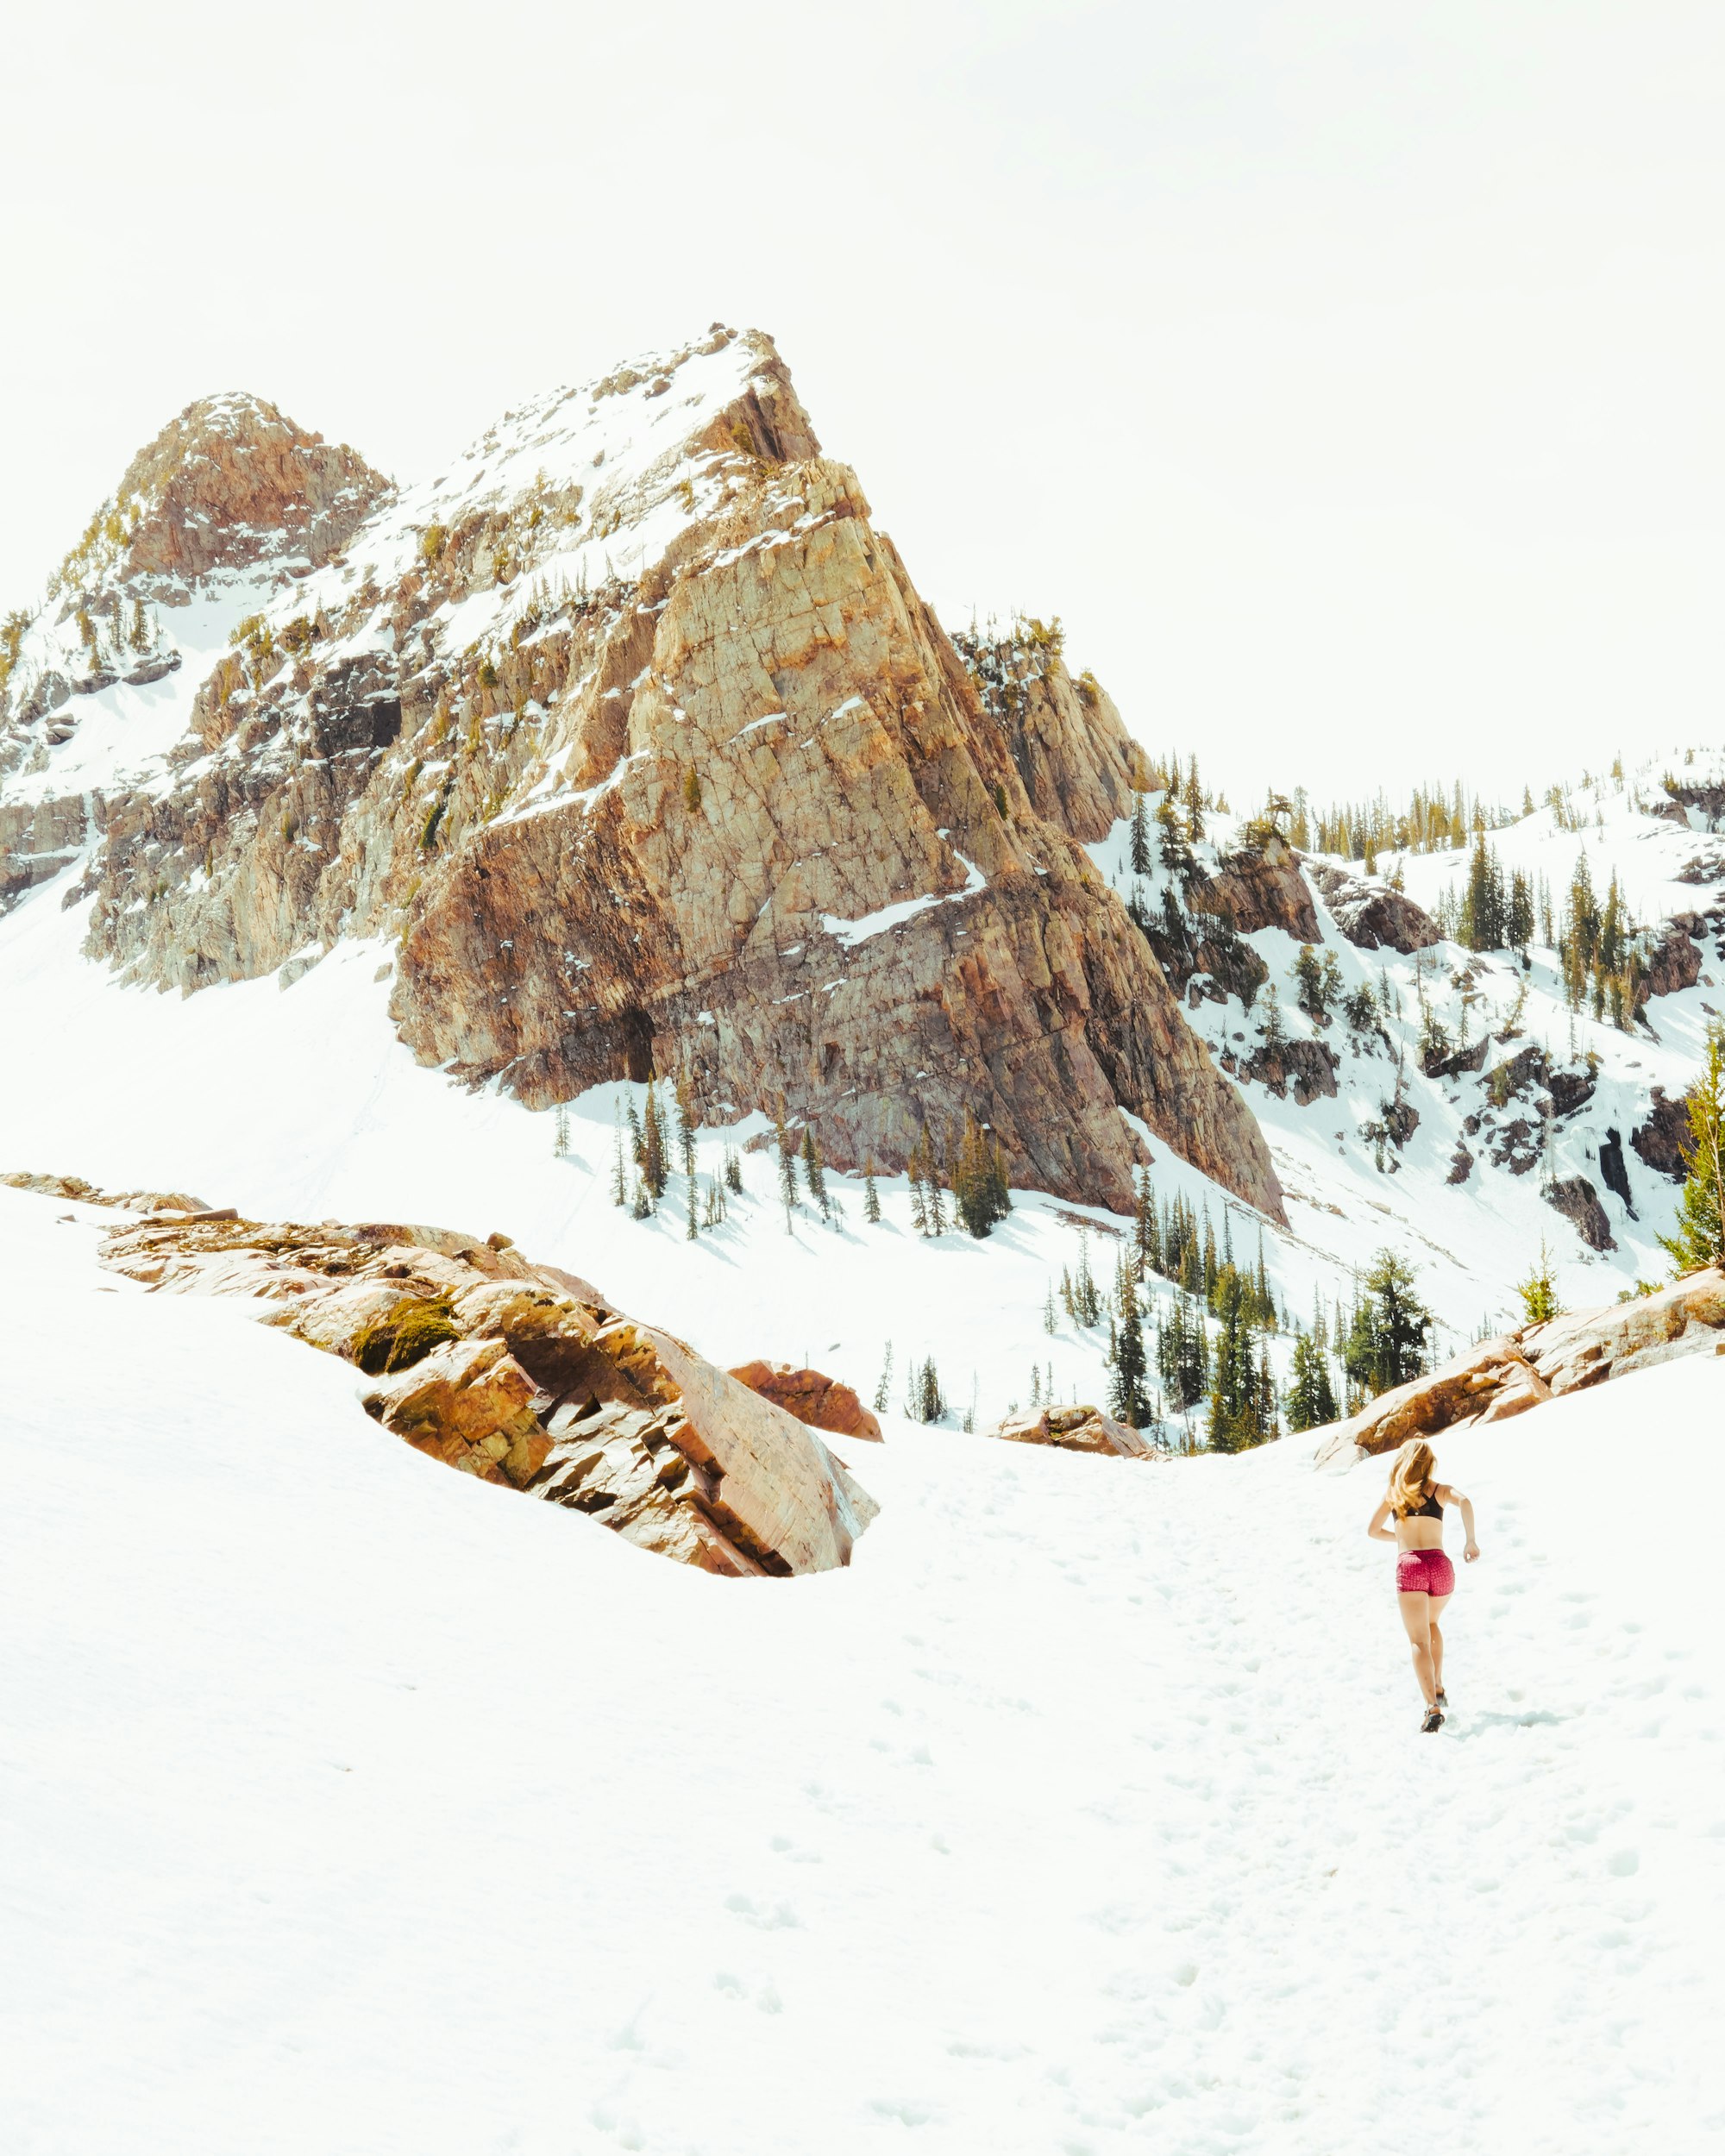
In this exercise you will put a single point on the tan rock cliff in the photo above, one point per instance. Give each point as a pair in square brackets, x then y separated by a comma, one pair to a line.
[741, 813]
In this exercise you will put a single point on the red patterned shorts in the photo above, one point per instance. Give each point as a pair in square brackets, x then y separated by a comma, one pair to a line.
[1424, 1572]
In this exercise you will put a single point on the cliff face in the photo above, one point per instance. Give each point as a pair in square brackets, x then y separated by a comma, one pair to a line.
[634, 731]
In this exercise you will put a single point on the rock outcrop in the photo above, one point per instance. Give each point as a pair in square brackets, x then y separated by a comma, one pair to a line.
[1660, 1140]
[1674, 962]
[1258, 886]
[1502, 1377]
[1077, 1429]
[75, 1189]
[1066, 738]
[1575, 1197]
[699, 784]
[1369, 913]
[1308, 1067]
[822, 1402]
[523, 1375]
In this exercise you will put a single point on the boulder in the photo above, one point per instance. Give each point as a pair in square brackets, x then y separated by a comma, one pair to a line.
[823, 1403]
[1504, 1376]
[1308, 1067]
[524, 1375]
[1575, 1197]
[1660, 1140]
[1258, 886]
[1076, 1429]
[1369, 913]
[1674, 962]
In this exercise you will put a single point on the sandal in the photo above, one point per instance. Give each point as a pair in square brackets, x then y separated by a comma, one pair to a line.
[1434, 1720]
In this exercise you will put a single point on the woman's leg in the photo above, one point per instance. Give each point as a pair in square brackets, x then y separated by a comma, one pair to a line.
[1416, 1616]
[1437, 1604]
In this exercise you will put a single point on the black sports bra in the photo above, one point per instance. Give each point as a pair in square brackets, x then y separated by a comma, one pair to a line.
[1430, 1510]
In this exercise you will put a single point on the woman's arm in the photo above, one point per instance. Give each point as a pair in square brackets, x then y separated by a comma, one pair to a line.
[1377, 1531]
[1471, 1552]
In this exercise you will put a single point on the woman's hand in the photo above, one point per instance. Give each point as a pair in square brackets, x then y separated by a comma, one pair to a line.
[1470, 1553]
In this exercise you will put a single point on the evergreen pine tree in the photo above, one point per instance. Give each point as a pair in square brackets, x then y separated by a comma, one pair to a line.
[1308, 974]
[1146, 1253]
[1176, 851]
[913, 1170]
[1194, 800]
[934, 1202]
[619, 1179]
[733, 1169]
[1233, 1422]
[813, 1173]
[923, 1401]
[871, 1197]
[1051, 1323]
[787, 1162]
[1087, 1301]
[1311, 1397]
[655, 1171]
[1182, 1358]
[1386, 1340]
[1129, 1403]
[559, 1132]
[1539, 1290]
[1519, 927]
[883, 1391]
[1142, 859]
[979, 1188]
[1700, 1238]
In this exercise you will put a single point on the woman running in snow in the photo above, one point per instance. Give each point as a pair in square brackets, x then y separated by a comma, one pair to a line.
[1425, 1578]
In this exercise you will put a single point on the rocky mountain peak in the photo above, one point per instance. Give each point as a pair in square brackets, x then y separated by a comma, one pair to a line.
[231, 482]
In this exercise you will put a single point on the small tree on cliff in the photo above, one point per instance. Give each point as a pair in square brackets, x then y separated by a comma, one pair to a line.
[1700, 1238]
[1312, 987]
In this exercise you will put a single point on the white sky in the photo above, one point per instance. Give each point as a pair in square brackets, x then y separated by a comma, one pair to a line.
[1347, 376]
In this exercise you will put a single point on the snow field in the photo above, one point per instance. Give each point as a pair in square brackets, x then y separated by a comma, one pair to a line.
[357, 1808]
[302, 1104]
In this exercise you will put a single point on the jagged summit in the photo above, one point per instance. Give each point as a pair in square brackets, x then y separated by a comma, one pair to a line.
[633, 734]
[232, 480]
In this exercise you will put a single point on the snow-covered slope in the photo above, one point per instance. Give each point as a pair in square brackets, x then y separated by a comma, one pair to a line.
[353, 1807]
[1465, 1195]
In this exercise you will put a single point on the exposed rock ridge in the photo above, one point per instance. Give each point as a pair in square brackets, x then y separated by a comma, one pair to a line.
[1497, 1378]
[1066, 738]
[523, 1375]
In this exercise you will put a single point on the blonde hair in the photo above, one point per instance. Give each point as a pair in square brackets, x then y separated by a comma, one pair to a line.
[1413, 1477]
